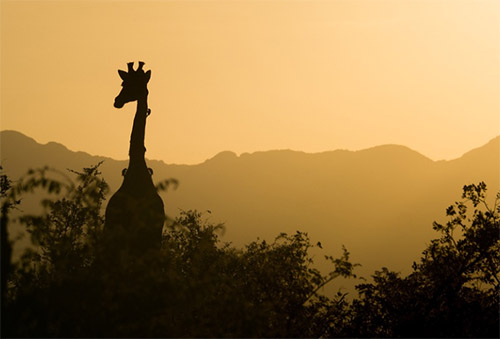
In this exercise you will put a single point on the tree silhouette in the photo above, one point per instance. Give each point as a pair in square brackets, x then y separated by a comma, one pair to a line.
[195, 285]
[454, 289]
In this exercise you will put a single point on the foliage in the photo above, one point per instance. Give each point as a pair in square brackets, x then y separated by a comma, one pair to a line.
[6, 204]
[66, 234]
[454, 289]
[81, 282]
[76, 284]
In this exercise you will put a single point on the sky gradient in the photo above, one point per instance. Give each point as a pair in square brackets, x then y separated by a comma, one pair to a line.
[255, 75]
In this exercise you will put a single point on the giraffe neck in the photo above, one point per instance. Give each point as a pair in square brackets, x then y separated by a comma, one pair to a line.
[137, 149]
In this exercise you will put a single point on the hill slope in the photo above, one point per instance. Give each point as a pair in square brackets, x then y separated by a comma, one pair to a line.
[379, 202]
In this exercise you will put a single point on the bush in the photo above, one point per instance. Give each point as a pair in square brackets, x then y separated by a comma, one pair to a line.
[454, 289]
[83, 282]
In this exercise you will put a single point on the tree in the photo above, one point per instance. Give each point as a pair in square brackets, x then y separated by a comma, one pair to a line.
[80, 282]
[454, 289]
[194, 285]
[6, 205]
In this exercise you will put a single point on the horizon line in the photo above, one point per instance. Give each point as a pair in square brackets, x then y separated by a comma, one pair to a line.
[238, 155]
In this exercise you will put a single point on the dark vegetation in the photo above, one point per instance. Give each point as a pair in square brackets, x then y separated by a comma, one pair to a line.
[78, 282]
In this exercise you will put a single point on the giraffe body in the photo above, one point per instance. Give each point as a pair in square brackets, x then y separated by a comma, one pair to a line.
[135, 213]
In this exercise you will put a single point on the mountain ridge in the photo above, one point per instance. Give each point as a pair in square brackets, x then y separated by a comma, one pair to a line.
[379, 202]
[231, 154]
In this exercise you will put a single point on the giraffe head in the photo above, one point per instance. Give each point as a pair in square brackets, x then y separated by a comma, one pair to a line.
[134, 84]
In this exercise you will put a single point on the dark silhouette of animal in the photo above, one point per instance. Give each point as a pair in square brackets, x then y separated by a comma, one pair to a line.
[135, 213]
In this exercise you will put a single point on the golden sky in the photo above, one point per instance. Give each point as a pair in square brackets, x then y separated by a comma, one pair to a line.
[253, 75]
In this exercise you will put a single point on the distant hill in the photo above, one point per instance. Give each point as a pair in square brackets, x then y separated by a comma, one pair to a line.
[379, 202]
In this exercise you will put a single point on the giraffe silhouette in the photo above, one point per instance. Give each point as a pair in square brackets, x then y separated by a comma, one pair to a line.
[135, 213]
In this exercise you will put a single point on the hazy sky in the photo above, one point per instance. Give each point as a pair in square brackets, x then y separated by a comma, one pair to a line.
[255, 75]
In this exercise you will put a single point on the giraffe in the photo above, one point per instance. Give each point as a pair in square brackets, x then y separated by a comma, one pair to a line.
[135, 213]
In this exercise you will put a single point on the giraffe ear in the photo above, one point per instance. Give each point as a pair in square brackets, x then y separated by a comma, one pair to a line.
[122, 74]
[148, 75]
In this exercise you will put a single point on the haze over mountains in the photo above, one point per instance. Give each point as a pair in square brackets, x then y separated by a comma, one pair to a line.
[379, 202]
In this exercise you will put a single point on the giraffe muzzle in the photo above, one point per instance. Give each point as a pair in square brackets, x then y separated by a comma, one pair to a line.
[118, 103]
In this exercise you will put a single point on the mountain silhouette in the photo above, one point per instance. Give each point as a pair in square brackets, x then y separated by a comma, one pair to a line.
[379, 202]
